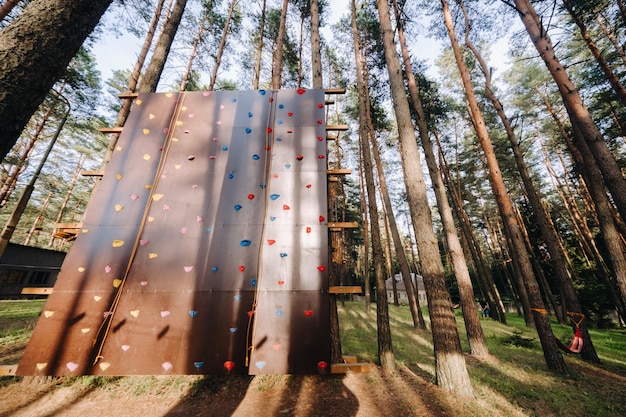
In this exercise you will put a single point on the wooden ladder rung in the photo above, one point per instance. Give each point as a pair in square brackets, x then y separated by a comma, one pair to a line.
[128, 95]
[342, 225]
[97, 173]
[344, 368]
[8, 370]
[37, 290]
[68, 225]
[116, 129]
[335, 91]
[338, 171]
[331, 137]
[345, 289]
[337, 127]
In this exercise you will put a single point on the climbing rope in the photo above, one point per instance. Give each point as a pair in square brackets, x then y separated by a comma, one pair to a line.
[108, 319]
[267, 166]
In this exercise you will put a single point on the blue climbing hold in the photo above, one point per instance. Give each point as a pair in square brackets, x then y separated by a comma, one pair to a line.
[253, 282]
[250, 114]
[274, 196]
[237, 298]
[233, 99]
[215, 269]
[237, 207]
[288, 166]
[198, 365]
[248, 130]
[256, 157]
[233, 329]
[283, 255]
[279, 122]
[209, 230]
[262, 92]
[281, 106]
[231, 175]
[193, 313]
[245, 242]
[279, 139]
[224, 148]
[279, 312]
[272, 218]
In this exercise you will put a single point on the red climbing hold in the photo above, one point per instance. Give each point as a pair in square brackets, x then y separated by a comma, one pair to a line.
[250, 313]
[290, 114]
[308, 313]
[320, 105]
[308, 186]
[320, 157]
[242, 268]
[320, 138]
[320, 122]
[308, 230]
[321, 268]
[250, 196]
[271, 241]
[322, 365]
[299, 157]
[229, 365]
[269, 130]
[286, 207]
[301, 91]
[322, 218]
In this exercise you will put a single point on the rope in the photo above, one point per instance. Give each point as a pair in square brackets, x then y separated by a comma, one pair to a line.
[108, 320]
[267, 166]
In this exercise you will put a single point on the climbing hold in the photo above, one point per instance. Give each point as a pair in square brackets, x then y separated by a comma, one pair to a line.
[281, 282]
[271, 241]
[250, 313]
[274, 196]
[212, 157]
[134, 197]
[256, 157]
[260, 364]
[165, 313]
[231, 175]
[301, 91]
[245, 242]
[279, 122]
[199, 219]
[286, 207]
[215, 269]
[290, 114]
[188, 268]
[320, 138]
[233, 329]
[242, 268]
[233, 100]
[321, 156]
[253, 282]
[250, 114]
[117, 243]
[283, 255]
[269, 129]
[229, 365]
[308, 186]
[279, 312]
[248, 130]
[183, 230]
[107, 269]
[237, 297]
[267, 147]
[224, 148]
[250, 196]
[279, 139]
[321, 219]
[193, 313]
[308, 313]
[321, 268]
[299, 157]
[320, 121]
[272, 218]
[125, 348]
[198, 365]
[288, 166]
[281, 106]
[167, 366]
[322, 365]
[320, 105]
[237, 207]
[262, 92]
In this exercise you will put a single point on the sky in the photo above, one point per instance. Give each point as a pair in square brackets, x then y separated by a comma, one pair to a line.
[114, 53]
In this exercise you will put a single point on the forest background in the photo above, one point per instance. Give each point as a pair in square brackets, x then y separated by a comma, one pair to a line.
[532, 165]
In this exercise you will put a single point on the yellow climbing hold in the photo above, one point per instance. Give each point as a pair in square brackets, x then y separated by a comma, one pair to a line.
[119, 207]
[146, 131]
[118, 243]
[117, 283]
[157, 197]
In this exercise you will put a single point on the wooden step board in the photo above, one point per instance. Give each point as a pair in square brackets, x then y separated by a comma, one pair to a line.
[345, 289]
[350, 365]
[8, 370]
[37, 290]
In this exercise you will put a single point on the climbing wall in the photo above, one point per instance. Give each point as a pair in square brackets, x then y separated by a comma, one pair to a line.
[204, 247]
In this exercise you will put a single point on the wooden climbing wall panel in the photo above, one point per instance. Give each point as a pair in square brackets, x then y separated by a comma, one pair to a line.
[204, 247]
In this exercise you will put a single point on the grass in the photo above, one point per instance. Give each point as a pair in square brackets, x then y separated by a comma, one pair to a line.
[514, 381]
[517, 371]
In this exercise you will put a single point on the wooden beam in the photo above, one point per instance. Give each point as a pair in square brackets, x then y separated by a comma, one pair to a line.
[117, 129]
[349, 359]
[331, 137]
[128, 95]
[335, 91]
[338, 171]
[68, 225]
[8, 370]
[92, 173]
[344, 368]
[329, 102]
[37, 290]
[337, 127]
[343, 225]
[345, 289]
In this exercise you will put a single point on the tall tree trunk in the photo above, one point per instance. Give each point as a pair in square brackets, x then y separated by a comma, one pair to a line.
[258, 58]
[151, 77]
[222, 45]
[192, 57]
[450, 369]
[553, 357]
[277, 67]
[405, 271]
[475, 335]
[385, 350]
[124, 111]
[68, 195]
[578, 112]
[611, 36]
[595, 51]
[35, 49]
[316, 52]
[366, 247]
[6, 8]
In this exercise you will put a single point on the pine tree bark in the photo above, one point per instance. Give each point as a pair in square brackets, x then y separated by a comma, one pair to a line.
[475, 335]
[151, 77]
[450, 369]
[385, 349]
[553, 357]
[6, 8]
[316, 53]
[222, 45]
[277, 67]
[35, 49]
[573, 102]
[259, 50]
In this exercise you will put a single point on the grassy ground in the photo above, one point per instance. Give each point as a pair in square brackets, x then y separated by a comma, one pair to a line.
[514, 382]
